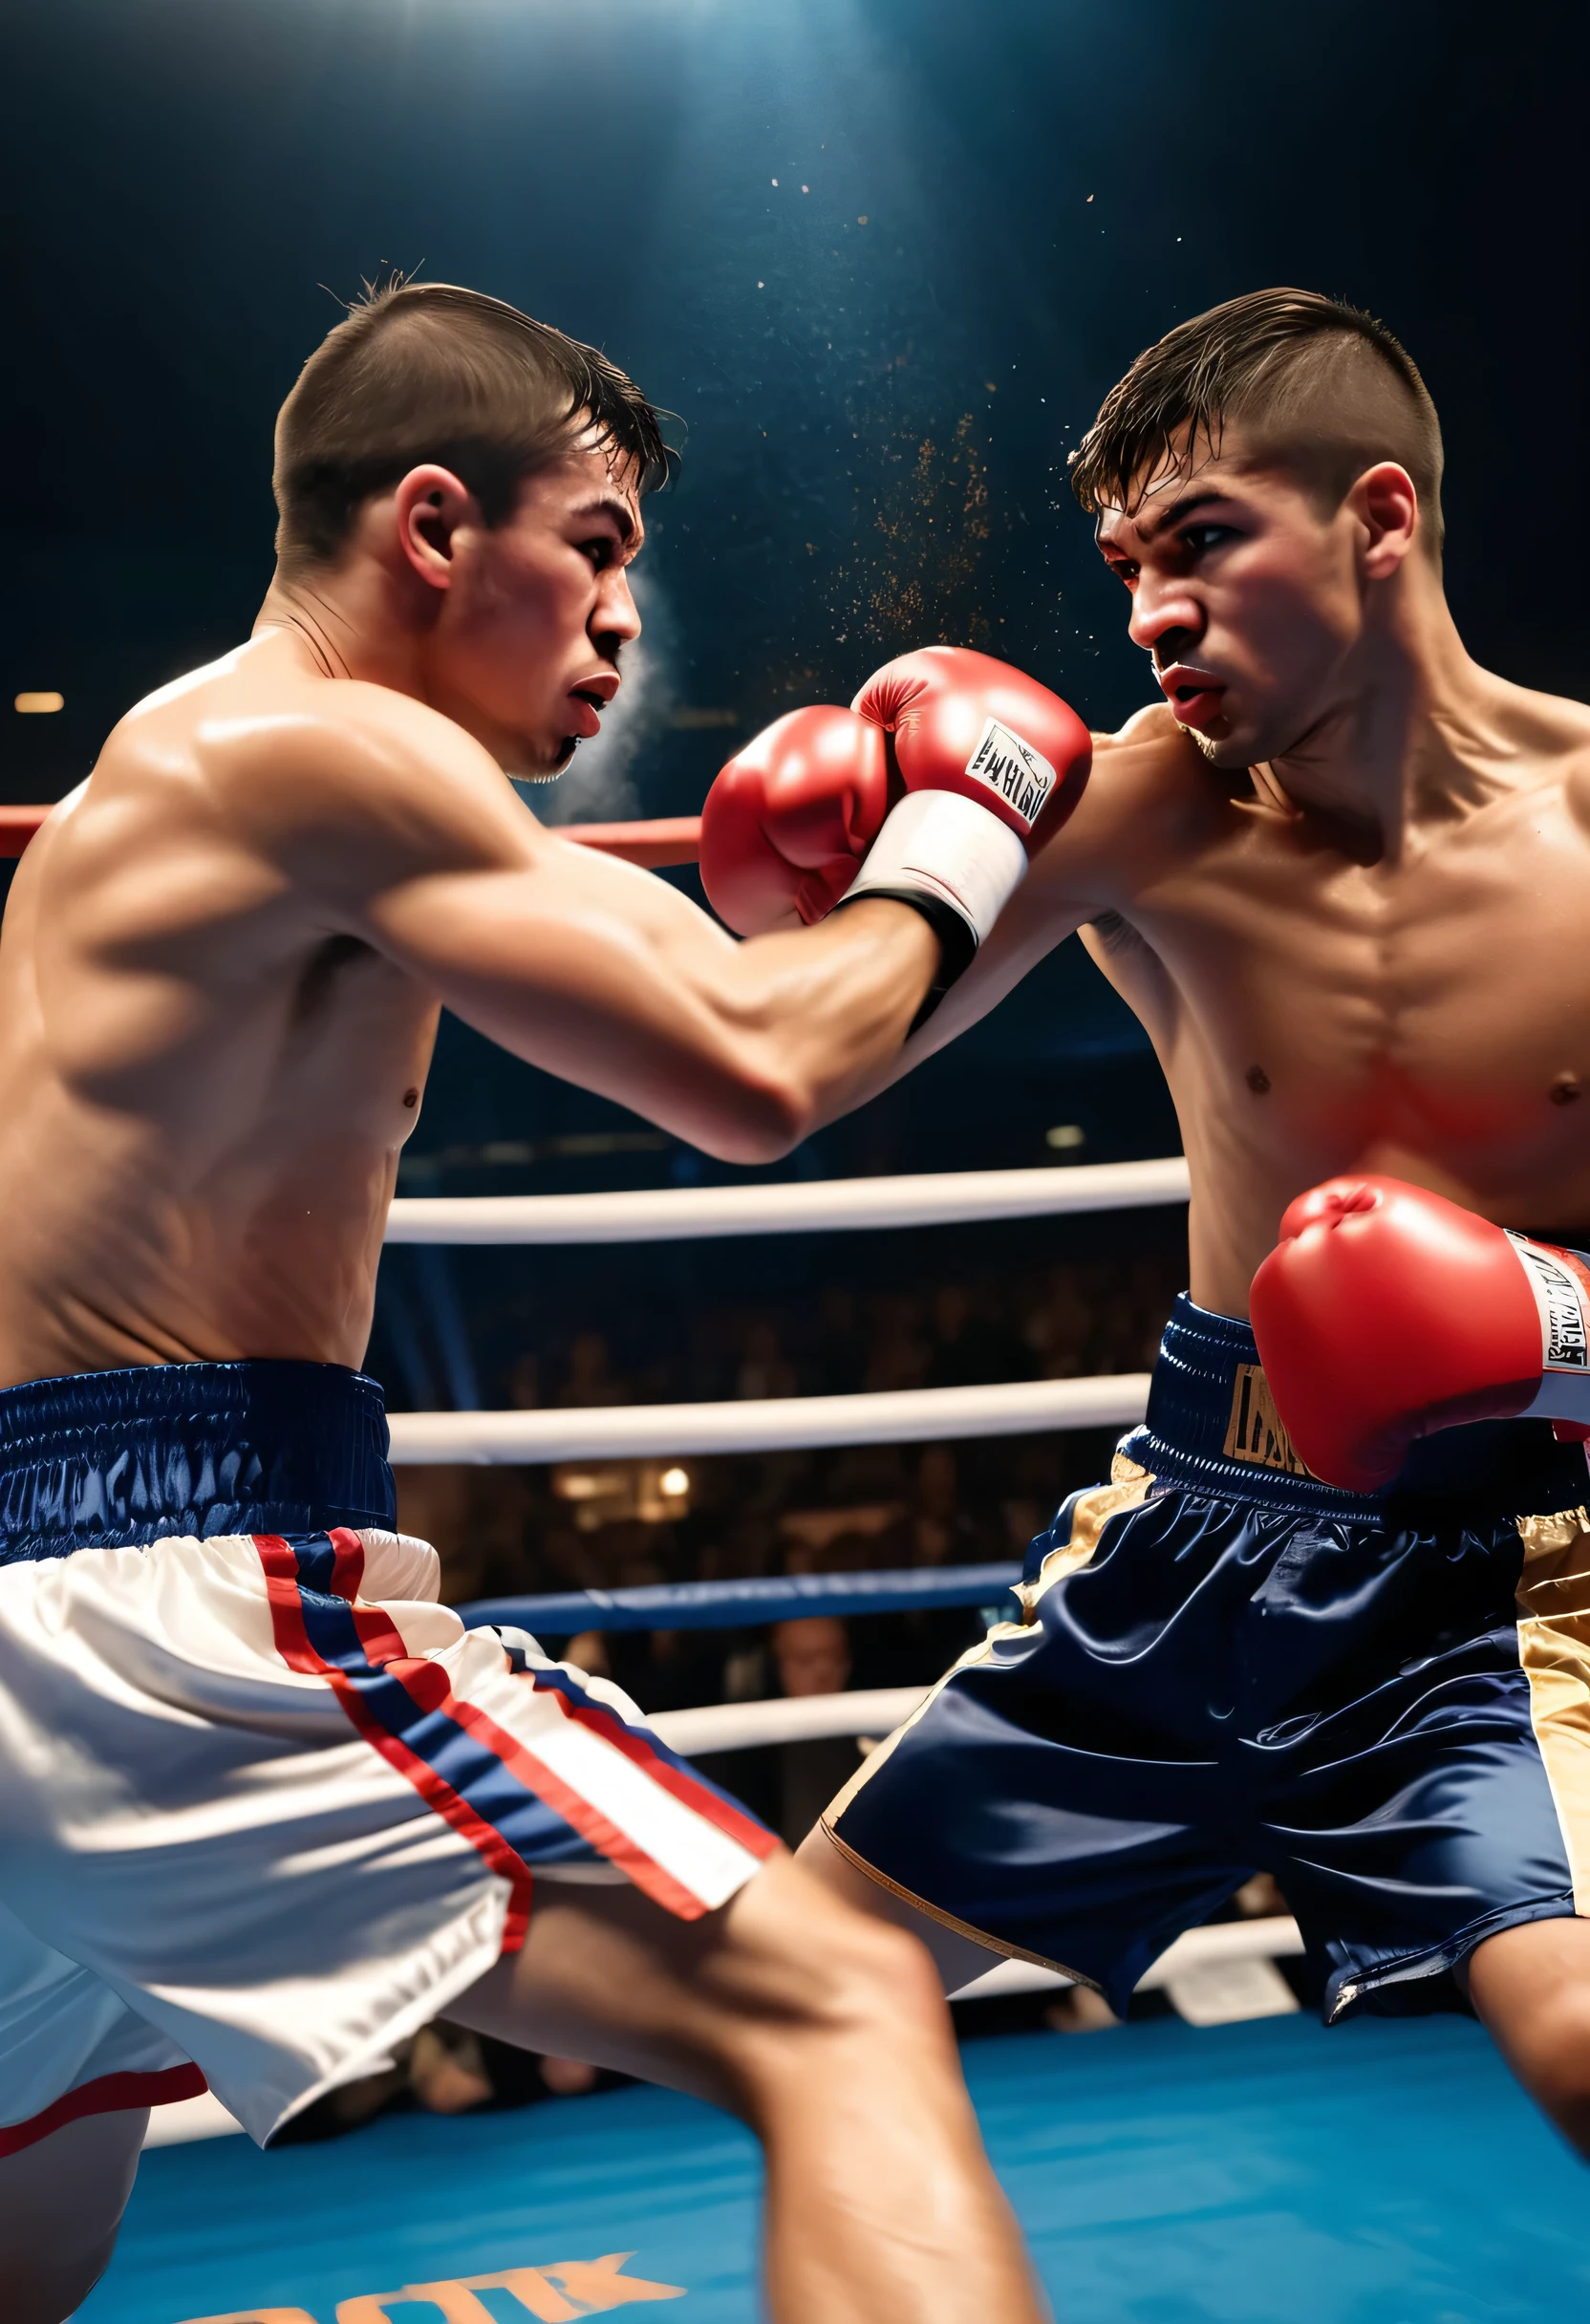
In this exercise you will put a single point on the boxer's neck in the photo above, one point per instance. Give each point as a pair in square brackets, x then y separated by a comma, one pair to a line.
[1412, 729]
[363, 618]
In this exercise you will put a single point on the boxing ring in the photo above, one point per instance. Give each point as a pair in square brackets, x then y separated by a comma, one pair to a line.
[1191, 2169]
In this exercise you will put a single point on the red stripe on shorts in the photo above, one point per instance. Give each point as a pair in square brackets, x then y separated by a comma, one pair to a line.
[106, 2094]
[427, 1684]
[753, 1837]
[292, 1643]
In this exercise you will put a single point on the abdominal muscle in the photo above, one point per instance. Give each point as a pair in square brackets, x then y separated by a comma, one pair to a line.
[1250, 1155]
[105, 1264]
[198, 1168]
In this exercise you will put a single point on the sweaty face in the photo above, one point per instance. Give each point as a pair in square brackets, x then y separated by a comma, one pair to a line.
[540, 608]
[1246, 595]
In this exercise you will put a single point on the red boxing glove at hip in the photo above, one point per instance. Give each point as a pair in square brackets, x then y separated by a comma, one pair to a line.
[1386, 1313]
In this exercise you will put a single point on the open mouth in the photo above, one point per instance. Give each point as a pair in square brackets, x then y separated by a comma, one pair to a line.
[589, 720]
[1196, 699]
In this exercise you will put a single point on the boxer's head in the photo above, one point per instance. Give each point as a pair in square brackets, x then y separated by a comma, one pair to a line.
[490, 471]
[1254, 477]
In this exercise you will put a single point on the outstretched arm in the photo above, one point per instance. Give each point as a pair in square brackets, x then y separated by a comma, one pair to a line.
[406, 835]
[1087, 868]
[1039, 915]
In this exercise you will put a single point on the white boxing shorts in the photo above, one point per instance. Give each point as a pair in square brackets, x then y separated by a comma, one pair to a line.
[266, 1807]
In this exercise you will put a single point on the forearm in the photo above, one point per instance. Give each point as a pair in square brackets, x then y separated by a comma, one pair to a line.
[829, 1008]
[614, 981]
[744, 1049]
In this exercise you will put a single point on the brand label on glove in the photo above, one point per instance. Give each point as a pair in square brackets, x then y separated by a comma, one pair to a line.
[1021, 776]
[1561, 1291]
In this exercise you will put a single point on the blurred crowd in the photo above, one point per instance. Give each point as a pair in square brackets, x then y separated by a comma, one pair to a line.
[604, 1525]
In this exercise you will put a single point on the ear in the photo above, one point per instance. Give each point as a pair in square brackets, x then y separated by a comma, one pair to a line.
[430, 505]
[1385, 502]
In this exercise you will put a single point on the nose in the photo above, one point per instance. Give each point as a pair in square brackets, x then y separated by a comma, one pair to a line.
[1166, 618]
[616, 616]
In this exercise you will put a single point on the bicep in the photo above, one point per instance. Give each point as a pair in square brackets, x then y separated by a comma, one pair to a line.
[406, 835]
[608, 978]
[544, 953]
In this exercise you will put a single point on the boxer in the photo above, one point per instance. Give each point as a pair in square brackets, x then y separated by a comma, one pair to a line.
[1342, 875]
[264, 1806]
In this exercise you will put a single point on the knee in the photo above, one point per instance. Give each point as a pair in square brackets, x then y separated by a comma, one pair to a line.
[1556, 2064]
[858, 1984]
[885, 1977]
[797, 1975]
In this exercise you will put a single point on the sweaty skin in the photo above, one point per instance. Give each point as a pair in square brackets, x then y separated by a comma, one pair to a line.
[1361, 950]
[221, 972]
[222, 966]
[1341, 873]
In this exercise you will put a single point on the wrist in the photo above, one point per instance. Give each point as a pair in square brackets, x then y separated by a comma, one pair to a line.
[942, 846]
[953, 862]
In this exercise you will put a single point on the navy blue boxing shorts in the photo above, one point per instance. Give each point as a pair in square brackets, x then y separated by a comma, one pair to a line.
[1227, 1667]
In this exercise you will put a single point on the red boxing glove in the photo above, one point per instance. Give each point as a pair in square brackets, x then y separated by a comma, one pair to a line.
[789, 818]
[1384, 1313]
[962, 721]
[992, 764]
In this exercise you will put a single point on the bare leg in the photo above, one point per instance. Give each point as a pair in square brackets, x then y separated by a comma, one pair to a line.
[828, 2034]
[60, 2205]
[1531, 1986]
[958, 1959]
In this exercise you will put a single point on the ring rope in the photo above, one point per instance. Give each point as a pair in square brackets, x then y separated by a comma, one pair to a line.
[1274, 1938]
[725, 1605]
[655, 843]
[673, 1214]
[801, 1718]
[772, 1424]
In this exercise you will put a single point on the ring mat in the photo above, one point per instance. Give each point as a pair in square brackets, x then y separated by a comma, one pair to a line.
[1384, 2173]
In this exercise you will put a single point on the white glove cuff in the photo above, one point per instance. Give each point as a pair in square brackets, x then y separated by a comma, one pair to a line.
[1560, 1282]
[944, 844]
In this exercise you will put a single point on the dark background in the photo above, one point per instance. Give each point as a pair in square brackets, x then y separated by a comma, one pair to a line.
[878, 365]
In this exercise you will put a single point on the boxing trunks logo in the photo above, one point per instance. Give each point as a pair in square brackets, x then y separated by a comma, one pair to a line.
[1020, 776]
[1561, 1286]
[1255, 1432]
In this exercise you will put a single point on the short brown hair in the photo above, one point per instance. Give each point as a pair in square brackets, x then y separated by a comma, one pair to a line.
[1319, 387]
[425, 371]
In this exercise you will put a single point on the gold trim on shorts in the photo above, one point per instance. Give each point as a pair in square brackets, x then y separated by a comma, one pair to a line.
[1553, 1648]
[869, 1766]
[1128, 1488]
[948, 1920]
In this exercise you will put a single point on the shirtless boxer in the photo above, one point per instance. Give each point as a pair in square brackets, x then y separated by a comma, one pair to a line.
[266, 1807]
[1343, 875]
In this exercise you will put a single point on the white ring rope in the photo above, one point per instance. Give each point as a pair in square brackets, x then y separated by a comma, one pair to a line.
[877, 1711]
[1015, 1408]
[676, 1214]
[797, 1718]
[1228, 1942]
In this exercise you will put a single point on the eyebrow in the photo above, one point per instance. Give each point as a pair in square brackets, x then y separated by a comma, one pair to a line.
[1180, 510]
[608, 506]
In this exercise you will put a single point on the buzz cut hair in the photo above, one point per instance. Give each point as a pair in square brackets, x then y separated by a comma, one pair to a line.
[1313, 385]
[421, 372]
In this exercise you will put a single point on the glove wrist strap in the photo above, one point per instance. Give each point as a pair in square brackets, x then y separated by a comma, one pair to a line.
[958, 947]
[945, 845]
[955, 863]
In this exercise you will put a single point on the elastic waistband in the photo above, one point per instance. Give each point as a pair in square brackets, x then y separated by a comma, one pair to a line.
[122, 1458]
[1212, 1427]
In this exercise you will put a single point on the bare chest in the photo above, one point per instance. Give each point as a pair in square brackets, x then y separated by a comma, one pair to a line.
[1432, 1014]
